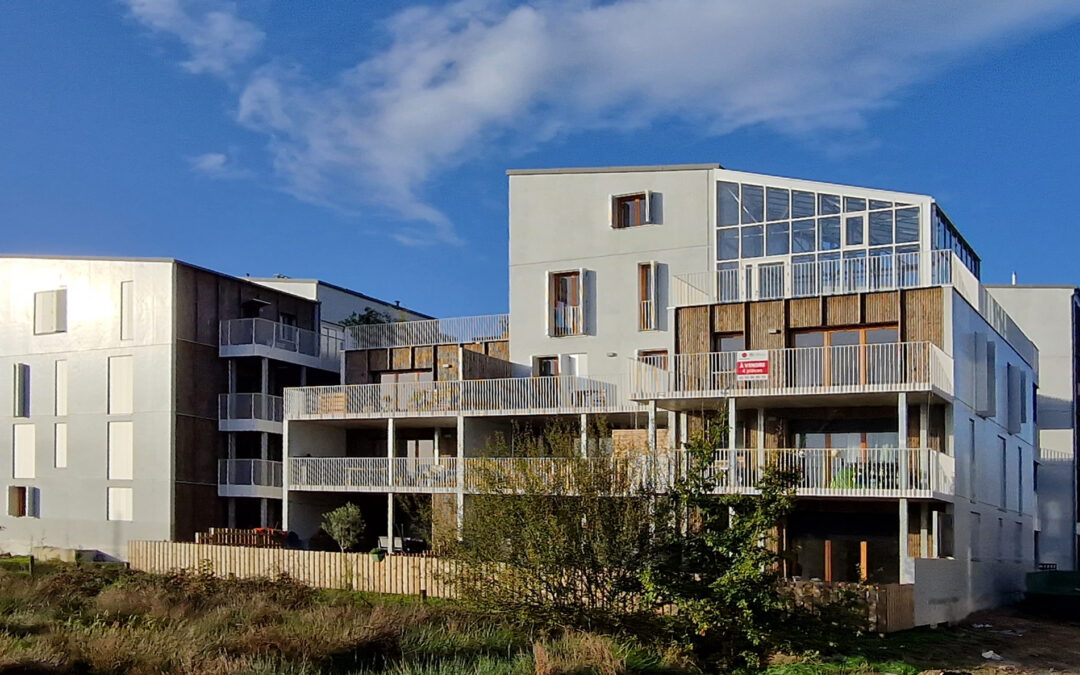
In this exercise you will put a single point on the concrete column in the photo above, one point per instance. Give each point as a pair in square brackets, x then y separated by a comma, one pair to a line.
[285, 477]
[232, 444]
[652, 427]
[391, 446]
[760, 437]
[732, 436]
[232, 375]
[264, 384]
[901, 430]
[460, 474]
[924, 530]
[672, 429]
[684, 429]
[390, 521]
[264, 445]
[232, 511]
[303, 376]
[584, 425]
[907, 565]
[264, 512]
[924, 425]
[435, 444]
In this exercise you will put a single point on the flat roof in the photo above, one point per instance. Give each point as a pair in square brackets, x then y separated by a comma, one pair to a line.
[614, 169]
[350, 291]
[1063, 287]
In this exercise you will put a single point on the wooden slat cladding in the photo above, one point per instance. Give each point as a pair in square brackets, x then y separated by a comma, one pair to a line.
[356, 367]
[766, 317]
[843, 310]
[379, 359]
[804, 313]
[401, 358]
[499, 350]
[729, 318]
[923, 316]
[477, 347]
[446, 356]
[693, 330]
[423, 357]
[881, 307]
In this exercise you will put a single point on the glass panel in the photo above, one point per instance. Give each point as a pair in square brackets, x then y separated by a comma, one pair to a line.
[875, 204]
[727, 244]
[829, 233]
[752, 242]
[815, 339]
[802, 204]
[881, 439]
[753, 204]
[907, 225]
[854, 271]
[770, 281]
[802, 236]
[727, 204]
[806, 367]
[729, 343]
[880, 272]
[776, 239]
[881, 228]
[809, 441]
[907, 266]
[777, 205]
[854, 231]
[828, 204]
[880, 336]
[854, 204]
[845, 359]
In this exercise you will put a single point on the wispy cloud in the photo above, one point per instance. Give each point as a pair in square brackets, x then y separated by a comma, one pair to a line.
[216, 165]
[216, 39]
[471, 77]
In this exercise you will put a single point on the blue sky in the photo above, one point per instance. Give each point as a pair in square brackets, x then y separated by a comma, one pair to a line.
[366, 143]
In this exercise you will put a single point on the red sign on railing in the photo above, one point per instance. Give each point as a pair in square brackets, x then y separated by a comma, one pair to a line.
[752, 365]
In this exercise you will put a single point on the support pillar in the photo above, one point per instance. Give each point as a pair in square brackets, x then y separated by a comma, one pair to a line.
[732, 441]
[264, 512]
[264, 380]
[303, 376]
[652, 427]
[460, 475]
[901, 430]
[232, 511]
[435, 445]
[907, 564]
[232, 375]
[584, 425]
[672, 429]
[391, 446]
[684, 430]
[924, 530]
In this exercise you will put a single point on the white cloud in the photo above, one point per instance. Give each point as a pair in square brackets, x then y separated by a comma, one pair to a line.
[456, 81]
[216, 165]
[216, 39]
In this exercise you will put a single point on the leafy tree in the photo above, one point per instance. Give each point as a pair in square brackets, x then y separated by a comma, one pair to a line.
[345, 525]
[367, 317]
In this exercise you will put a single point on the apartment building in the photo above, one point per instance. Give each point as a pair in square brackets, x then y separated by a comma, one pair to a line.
[145, 397]
[842, 331]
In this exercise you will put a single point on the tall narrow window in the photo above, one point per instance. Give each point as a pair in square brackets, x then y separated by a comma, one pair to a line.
[121, 385]
[127, 310]
[60, 445]
[973, 477]
[121, 450]
[22, 390]
[648, 299]
[631, 210]
[1004, 473]
[121, 505]
[23, 445]
[1020, 478]
[50, 311]
[566, 310]
[60, 388]
[18, 501]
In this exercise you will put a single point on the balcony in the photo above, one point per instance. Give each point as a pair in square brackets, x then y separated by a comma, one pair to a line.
[848, 369]
[567, 320]
[459, 330]
[854, 473]
[249, 478]
[562, 394]
[281, 342]
[250, 412]
[373, 474]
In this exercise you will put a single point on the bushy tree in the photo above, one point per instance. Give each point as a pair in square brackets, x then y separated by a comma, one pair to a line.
[367, 317]
[345, 525]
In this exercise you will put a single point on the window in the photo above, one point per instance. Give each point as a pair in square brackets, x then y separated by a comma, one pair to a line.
[127, 310]
[1020, 479]
[22, 390]
[985, 376]
[121, 450]
[753, 204]
[1004, 497]
[974, 535]
[60, 445]
[50, 312]
[972, 469]
[23, 450]
[121, 385]
[565, 313]
[728, 342]
[631, 210]
[547, 366]
[60, 388]
[22, 501]
[654, 357]
[1018, 548]
[1015, 406]
[120, 504]
[648, 298]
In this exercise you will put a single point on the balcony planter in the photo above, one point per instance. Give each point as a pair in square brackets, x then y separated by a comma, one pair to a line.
[377, 554]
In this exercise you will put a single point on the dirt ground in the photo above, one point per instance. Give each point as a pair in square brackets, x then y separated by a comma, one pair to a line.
[1027, 643]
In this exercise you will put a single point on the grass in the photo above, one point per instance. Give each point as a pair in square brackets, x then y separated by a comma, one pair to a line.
[94, 619]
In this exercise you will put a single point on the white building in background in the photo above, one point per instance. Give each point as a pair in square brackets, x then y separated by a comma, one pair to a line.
[893, 381]
[130, 379]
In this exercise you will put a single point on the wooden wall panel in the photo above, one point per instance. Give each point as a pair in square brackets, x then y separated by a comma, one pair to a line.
[729, 318]
[923, 316]
[401, 358]
[842, 310]
[477, 366]
[447, 363]
[693, 330]
[379, 360]
[477, 347]
[356, 367]
[881, 307]
[804, 313]
[499, 349]
[764, 317]
[423, 357]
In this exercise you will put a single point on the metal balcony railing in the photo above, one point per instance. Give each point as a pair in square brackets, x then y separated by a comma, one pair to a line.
[848, 369]
[373, 474]
[249, 472]
[567, 320]
[647, 316]
[459, 330]
[503, 396]
[321, 348]
[251, 407]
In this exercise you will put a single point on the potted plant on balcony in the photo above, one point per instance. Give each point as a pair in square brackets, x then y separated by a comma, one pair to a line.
[345, 525]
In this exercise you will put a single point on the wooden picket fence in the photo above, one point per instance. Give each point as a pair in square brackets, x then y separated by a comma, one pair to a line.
[398, 574]
[224, 536]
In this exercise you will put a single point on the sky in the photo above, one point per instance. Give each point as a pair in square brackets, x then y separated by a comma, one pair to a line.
[366, 143]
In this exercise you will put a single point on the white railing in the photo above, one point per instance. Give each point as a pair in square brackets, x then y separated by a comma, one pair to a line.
[373, 474]
[647, 317]
[846, 472]
[772, 281]
[567, 320]
[251, 407]
[257, 472]
[899, 366]
[324, 345]
[458, 330]
[503, 396]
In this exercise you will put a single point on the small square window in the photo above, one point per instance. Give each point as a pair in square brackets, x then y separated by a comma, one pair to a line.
[50, 312]
[630, 210]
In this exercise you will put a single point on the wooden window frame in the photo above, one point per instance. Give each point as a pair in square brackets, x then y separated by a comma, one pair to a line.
[576, 324]
[661, 354]
[644, 210]
[648, 298]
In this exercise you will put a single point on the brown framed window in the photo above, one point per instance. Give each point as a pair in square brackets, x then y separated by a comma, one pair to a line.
[728, 342]
[648, 304]
[630, 210]
[547, 366]
[566, 316]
